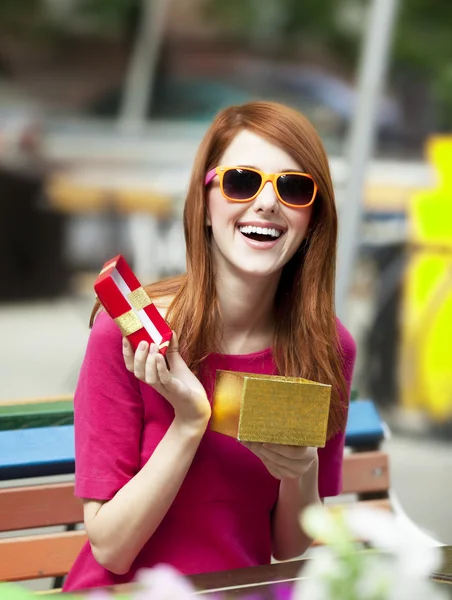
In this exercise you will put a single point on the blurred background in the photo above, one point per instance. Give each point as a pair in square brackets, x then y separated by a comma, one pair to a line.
[102, 106]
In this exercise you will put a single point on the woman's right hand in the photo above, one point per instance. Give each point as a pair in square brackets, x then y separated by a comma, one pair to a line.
[178, 385]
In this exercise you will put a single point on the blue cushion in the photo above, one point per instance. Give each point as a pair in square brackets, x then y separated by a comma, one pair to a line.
[364, 424]
[43, 451]
[37, 452]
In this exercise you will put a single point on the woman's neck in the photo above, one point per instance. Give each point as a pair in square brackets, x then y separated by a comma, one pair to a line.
[247, 311]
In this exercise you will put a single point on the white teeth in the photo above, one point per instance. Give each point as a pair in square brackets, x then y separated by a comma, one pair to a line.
[275, 233]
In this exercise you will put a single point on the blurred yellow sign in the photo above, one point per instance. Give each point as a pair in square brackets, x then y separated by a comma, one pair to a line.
[71, 194]
[426, 316]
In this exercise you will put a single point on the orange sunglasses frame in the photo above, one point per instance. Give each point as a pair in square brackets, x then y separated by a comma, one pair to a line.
[265, 177]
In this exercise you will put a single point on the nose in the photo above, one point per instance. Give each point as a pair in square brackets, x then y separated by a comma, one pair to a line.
[267, 200]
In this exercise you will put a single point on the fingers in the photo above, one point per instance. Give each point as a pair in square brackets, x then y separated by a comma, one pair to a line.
[279, 472]
[162, 371]
[141, 362]
[148, 365]
[289, 466]
[172, 355]
[169, 385]
[135, 361]
[278, 463]
[174, 344]
[295, 452]
[152, 368]
[128, 354]
[271, 466]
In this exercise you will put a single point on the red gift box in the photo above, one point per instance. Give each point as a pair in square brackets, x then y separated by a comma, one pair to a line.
[125, 300]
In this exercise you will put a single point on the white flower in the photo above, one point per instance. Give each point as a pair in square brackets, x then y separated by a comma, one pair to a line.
[311, 589]
[99, 595]
[408, 589]
[324, 564]
[398, 569]
[385, 532]
[376, 577]
[323, 525]
[163, 582]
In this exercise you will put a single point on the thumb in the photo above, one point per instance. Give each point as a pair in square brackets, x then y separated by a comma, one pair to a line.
[172, 354]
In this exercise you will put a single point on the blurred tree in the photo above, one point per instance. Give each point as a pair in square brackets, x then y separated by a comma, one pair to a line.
[111, 15]
[24, 17]
[421, 63]
[288, 23]
[32, 16]
[12, 12]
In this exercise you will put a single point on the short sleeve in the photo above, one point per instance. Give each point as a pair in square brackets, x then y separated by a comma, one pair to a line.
[108, 416]
[332, 455]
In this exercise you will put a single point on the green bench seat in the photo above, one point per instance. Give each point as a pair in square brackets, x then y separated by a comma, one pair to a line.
[25, 414]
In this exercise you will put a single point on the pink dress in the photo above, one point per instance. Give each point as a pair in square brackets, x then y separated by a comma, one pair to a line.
[221, 516]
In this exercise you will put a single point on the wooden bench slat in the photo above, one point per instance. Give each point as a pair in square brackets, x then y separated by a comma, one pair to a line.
[55, 504]
[39, 556]
[39, 506]
[365, 472]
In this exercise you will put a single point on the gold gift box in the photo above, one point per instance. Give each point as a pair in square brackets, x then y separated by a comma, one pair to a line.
[270, 409]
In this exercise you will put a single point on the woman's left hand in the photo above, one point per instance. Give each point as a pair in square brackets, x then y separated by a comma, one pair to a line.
[284, 462]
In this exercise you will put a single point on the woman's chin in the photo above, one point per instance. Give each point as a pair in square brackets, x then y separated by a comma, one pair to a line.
[258, 269]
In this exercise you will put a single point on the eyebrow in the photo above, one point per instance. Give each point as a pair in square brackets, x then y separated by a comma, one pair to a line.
[281, 171]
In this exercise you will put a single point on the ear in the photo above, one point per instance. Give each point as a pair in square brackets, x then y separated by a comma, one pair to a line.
[208, 222]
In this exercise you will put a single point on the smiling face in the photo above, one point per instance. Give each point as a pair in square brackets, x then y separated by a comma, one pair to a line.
[257, 237]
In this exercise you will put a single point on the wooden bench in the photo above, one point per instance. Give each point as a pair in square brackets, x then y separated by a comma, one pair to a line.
[52, 554]
[24, 507]
[43, 555]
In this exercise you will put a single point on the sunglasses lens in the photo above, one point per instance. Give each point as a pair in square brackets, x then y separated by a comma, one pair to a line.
[241, 184]
[297, 190]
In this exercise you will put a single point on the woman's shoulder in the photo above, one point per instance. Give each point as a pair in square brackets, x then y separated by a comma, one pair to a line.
[104, 327]
[346, 341]
[104, 340]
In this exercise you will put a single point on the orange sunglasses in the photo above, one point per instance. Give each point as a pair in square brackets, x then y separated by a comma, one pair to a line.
[243, 184]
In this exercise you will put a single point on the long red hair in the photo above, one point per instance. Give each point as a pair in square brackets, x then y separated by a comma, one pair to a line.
[306, 340]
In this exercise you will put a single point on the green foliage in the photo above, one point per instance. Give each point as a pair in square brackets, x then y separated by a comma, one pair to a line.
[22, 16]
[423, 33]
[108, 14]
[422, 37]
[31, 16]
[290, 18]
[423, 44]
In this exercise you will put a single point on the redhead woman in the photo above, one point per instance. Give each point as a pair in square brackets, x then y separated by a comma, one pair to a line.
[159, 486]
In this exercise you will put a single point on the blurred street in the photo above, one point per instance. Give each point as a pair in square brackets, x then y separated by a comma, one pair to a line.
[43, 345]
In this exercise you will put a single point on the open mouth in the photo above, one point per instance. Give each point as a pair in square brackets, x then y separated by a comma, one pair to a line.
[260, 234]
